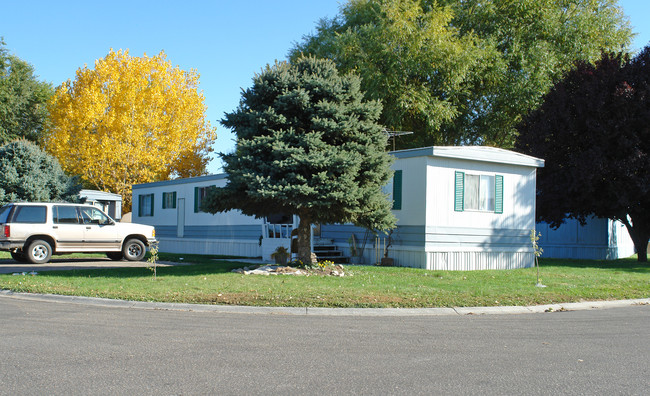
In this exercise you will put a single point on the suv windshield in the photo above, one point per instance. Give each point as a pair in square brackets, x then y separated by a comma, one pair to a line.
[4, 213]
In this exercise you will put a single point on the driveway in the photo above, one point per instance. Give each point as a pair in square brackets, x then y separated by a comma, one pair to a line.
[9, 266]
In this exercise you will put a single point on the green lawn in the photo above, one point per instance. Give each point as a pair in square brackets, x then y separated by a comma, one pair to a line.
[210, 281]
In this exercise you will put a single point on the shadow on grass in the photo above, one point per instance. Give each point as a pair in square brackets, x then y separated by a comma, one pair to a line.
[627, 264]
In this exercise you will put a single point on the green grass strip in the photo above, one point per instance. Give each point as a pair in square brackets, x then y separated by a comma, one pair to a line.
[209, 280]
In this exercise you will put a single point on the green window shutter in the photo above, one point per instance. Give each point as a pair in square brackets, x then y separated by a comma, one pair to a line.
[139, 205]
[196, 200]
[397, 190]
[164, 200]
[498, 194]
[174, 200]
[152, 205]
[459, 192]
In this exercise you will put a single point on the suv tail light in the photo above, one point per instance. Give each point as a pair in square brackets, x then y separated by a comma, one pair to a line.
[6, 232]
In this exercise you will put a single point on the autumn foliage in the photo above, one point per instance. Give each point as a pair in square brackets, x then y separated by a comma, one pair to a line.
[130, 120]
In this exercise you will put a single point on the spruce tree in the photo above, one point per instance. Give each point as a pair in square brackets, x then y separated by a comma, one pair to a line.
[27, 173]
[308, 144]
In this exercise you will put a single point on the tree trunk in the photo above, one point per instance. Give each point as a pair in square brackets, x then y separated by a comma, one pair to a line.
[642, 251]
[304, 239]
[640, 235]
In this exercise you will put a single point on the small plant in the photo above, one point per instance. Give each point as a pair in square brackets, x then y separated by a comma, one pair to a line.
[388, 242]
[356, 251]
[324, 264]
[297, 264]
[353, 245]
[153, 257]
[280, 255]
[279, 250]
[537, 251]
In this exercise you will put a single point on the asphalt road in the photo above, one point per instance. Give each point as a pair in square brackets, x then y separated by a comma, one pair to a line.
[63, 348]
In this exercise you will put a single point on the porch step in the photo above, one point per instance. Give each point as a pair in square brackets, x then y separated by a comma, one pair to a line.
[330, 252]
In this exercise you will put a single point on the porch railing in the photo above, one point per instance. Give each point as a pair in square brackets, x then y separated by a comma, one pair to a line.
[277, 230]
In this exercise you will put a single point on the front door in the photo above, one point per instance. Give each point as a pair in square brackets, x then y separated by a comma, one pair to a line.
[180, 218]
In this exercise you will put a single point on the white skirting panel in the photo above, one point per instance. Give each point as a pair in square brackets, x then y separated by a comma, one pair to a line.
[410, 256]
[229, 247]
[469, 261]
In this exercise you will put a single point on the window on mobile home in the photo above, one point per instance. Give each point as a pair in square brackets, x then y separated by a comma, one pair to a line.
[478, 192]
[169, 200]
[199, 195]
[145, 205]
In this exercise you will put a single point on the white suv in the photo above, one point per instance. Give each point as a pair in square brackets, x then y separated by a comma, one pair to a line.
[34, 231]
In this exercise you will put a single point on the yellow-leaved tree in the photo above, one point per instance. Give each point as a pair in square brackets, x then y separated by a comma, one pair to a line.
[130, 120]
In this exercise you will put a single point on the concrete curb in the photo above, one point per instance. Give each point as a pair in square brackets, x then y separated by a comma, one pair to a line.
[295, 311]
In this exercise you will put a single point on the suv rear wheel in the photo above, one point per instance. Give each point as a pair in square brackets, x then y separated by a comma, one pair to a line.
[134, 250]
[38, 252]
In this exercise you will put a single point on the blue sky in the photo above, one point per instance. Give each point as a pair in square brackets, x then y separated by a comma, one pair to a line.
[226, 41]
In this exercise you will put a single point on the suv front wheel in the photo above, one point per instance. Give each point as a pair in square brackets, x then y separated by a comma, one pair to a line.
[38, 252]
[134, 250]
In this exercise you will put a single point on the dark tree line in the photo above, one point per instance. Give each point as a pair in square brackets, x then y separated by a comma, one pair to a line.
[593, 130]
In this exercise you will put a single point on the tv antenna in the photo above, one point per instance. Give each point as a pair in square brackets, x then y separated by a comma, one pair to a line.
[394, 134]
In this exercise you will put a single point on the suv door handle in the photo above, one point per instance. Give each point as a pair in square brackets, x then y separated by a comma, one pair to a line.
[55, 227]
[88, 227]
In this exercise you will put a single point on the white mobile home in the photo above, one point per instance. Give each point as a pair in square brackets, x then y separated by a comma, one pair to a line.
[181, 227]
[458, 208]
[108, 202]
